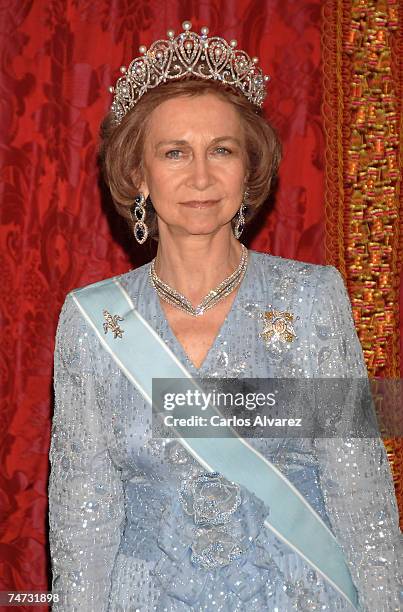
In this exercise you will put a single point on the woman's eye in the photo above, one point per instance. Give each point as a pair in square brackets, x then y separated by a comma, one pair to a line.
[174, 154]
[223, 150]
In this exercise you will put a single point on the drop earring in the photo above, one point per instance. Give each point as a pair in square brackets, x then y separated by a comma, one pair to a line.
[240, 222]
[140, 229]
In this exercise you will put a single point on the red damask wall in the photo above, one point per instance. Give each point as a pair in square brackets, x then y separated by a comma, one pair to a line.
[59, 229]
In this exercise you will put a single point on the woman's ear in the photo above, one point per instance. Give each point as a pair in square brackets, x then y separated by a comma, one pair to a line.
[140, 183]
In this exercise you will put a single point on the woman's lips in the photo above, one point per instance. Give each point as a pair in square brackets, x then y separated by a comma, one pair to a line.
[200, 203]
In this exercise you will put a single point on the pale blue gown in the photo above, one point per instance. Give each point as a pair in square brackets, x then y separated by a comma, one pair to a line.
[120, 537]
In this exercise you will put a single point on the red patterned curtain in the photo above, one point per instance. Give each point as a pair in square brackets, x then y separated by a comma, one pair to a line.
[59, 229]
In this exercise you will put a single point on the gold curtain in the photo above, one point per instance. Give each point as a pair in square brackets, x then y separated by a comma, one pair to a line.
[362, 76]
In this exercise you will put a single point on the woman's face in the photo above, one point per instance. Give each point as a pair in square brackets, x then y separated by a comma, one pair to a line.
[194, 164]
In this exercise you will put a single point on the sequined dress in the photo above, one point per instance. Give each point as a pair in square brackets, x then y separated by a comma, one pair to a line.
[122, 533]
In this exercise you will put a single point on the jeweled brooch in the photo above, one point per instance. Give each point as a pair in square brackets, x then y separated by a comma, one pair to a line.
[111, 322]
[278, 325]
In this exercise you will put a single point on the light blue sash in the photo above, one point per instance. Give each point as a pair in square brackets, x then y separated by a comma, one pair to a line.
[143, 355]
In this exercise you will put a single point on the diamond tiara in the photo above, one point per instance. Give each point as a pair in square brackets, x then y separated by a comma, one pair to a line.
[188, 54]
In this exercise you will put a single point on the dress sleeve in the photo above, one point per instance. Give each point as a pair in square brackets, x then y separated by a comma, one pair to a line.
[354, 472]
[86, 506]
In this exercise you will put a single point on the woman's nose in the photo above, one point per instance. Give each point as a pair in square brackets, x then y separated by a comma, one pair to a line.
[200, 173]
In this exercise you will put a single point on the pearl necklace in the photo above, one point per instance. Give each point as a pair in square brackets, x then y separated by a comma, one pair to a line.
[173, 297]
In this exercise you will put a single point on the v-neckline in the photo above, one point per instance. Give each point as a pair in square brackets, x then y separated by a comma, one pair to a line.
[178, 346]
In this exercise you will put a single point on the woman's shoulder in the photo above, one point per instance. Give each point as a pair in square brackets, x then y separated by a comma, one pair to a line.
[132, 281]
[303, 286]
[136, 276]
[278, 266]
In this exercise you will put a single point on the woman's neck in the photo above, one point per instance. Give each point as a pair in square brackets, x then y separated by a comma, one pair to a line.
[193, 265]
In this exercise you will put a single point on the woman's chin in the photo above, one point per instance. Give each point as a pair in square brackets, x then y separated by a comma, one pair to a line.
[205, 228]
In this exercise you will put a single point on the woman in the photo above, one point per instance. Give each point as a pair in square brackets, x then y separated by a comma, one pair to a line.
[139, 523]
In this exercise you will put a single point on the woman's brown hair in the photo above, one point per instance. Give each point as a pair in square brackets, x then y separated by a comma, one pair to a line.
[121, 148]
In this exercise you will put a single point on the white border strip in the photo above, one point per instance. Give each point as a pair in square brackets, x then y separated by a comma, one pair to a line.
[325, 576]
[292, 487]
[106, 345]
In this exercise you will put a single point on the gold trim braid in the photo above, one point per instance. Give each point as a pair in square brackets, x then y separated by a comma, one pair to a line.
[362, 82]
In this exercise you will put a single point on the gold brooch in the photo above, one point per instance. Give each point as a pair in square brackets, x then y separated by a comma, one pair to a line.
[278, 325]
[111, 322]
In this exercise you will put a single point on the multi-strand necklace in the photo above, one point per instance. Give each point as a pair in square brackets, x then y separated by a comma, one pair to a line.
[173, 297]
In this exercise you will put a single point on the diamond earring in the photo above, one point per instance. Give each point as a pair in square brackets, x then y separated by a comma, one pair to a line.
[240, 222]
[140, 229]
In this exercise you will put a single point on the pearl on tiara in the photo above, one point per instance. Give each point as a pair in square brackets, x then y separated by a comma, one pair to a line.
[188, 54]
